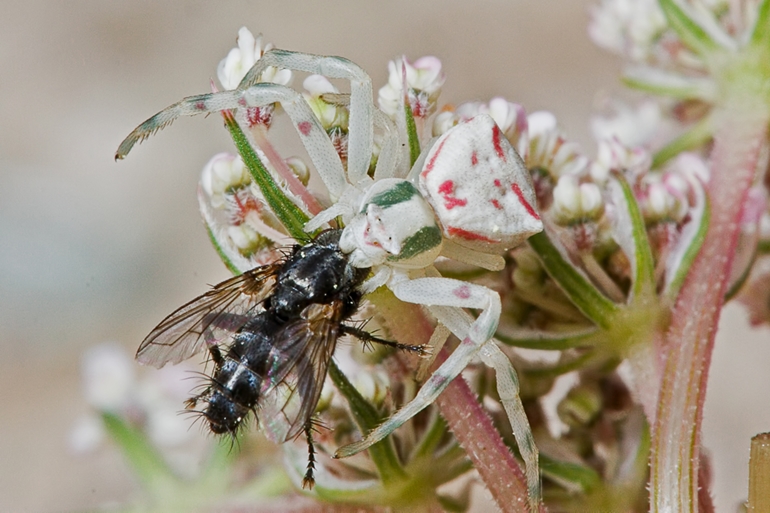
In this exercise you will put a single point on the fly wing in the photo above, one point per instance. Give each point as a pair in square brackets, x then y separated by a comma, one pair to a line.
[305, 347]
[186, 331]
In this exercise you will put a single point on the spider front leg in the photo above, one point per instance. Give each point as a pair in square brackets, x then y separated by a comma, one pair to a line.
[360, 126]
[313, 136]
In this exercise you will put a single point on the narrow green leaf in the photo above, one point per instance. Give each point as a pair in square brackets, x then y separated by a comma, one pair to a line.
[411, 132]
[760, 37]
[587, 298]
[430, 439]
[563, 367]
[644, 264]
[149, 467]
[551, 341]
[383, 453]
[221, 252]
[664, 83]
[698, 135]
[571, 476]
[290, 215]
[692, 237]
[692, 34]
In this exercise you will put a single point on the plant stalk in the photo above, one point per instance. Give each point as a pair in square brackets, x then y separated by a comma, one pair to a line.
[675, 456]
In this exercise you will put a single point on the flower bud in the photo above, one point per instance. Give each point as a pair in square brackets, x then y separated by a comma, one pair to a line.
[424, 80]
[240, 60]
[224, 173]
[574, 202]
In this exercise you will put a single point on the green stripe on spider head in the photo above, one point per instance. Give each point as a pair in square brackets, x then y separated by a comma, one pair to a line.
[399, 193]
[426, 238]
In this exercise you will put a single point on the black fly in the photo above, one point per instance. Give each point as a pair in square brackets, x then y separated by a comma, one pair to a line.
[271, 333]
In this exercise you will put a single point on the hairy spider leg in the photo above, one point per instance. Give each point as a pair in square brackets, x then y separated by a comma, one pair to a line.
[360, 125]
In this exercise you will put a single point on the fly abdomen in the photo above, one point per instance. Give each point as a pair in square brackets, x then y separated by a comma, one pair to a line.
[237, 384]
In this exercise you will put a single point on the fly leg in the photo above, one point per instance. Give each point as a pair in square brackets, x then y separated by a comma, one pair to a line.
[365, 336]
[308, 481]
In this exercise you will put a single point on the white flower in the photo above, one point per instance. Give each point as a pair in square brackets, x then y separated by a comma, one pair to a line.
[549, 151]
[443, 121]
[246, 238]
[575, 202]
[627, 27]
[108, 377]
[510, 117]
[632, 126]
[222, 174]
[613, 155]
[240, 60]
[330, 115]
[424, 79]
[87, 434]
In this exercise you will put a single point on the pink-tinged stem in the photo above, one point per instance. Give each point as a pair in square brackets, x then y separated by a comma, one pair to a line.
[472, 427]
[295, 186]
[474, 431]
[675, 456]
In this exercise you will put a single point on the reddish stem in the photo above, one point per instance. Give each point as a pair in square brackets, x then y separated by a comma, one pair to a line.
[675, 457]
[259, 132]
[472, 427]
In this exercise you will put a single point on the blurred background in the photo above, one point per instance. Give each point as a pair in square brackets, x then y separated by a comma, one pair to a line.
[94, 251]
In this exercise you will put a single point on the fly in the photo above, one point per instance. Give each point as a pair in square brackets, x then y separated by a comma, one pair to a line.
[270, 333]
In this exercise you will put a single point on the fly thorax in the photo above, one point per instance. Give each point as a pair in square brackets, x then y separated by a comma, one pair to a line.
[394, 225]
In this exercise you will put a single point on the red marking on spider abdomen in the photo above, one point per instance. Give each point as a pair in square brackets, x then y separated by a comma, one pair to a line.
[200, 105]
[463, 292]
[517, 190]
[447, 190]
[474, 159]
[454, 231]
[496, 204]
[304, 127]
[432, 162]
[497, 143]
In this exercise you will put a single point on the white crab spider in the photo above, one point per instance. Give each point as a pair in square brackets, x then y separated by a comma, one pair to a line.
[468, 197]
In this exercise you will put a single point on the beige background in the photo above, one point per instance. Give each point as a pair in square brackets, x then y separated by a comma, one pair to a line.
[91, 250]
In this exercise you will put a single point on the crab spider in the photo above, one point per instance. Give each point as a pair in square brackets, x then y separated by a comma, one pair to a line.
[469, 197]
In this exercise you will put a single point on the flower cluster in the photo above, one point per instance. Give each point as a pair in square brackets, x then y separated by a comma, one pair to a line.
[597, 292]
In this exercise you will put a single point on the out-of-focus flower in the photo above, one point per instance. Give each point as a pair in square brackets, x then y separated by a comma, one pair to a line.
[614, 155]
[87, 434]
[627, 27]
[241, 59]
[108, 377]
[444, 120]
[663, 199]
[632, 126]
[423, 80]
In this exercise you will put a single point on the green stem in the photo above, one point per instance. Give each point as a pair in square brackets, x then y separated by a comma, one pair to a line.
[411, 132]
[698, 135]
[575, 285]
[290, 215]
